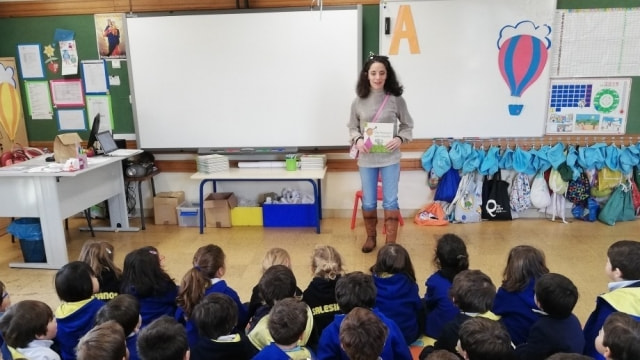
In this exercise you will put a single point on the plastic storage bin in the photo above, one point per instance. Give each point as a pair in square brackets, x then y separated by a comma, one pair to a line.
[289, 215]
[246, 216]
[29, 232]
[188, 214]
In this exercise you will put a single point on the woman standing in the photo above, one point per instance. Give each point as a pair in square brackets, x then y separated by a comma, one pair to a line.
[379, 101]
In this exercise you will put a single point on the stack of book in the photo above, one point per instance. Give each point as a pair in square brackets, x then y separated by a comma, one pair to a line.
[212, 163]
[313, 161]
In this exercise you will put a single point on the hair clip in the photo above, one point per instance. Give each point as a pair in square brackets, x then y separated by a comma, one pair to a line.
[373, 56]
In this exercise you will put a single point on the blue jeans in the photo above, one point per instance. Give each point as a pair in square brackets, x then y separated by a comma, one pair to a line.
[390, 176]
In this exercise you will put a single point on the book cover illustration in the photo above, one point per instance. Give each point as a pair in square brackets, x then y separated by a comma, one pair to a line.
[377, 135]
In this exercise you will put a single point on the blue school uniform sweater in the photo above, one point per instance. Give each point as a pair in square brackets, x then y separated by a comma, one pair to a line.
[219, 287]
[131, 340]
[516, 311]
[549, 336]
[399, 299]
[625, 299]
[394, 348]
[273, 352]
[439, 307]
[155, 306]
[74, 320]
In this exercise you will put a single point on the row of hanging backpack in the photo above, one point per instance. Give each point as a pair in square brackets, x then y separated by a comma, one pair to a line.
[604, 195]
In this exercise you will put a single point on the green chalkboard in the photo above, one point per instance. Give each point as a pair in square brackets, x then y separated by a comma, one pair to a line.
[40, 30]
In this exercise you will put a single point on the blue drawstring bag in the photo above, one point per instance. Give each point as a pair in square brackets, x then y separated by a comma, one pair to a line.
[540, 159]
[629, 157]
[427, 157]
[587, 213]
[458, 153]
[472, 163]
[448, 186]
[522, 162]
[592, 157]
[572, 161]
[556, 156]
[489, 165]
[441, 161]
[506, 160]
[612, 157]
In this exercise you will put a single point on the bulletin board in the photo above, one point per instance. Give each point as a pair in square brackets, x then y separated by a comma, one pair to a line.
[588, 105]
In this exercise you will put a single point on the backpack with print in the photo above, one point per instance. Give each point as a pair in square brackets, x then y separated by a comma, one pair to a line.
[579, 190]
[468, 201]
[540, 197]
[520, 193]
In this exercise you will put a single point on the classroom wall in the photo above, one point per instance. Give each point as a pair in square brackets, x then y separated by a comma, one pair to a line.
[341, 185]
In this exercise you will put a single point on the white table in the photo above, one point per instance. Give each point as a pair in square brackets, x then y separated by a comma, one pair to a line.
[264, 174]
[55, 196]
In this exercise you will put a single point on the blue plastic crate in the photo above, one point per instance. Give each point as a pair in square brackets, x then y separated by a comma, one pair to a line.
[289, 215]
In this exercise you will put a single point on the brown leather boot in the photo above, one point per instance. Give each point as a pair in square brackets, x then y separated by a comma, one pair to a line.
[370, 223]
[391, 225]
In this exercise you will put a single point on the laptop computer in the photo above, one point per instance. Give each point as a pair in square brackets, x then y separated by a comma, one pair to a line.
[109, 147]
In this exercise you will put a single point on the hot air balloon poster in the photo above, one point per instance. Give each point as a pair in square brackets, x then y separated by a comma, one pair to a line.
[471, 68]
[12, 126]
[522, 55]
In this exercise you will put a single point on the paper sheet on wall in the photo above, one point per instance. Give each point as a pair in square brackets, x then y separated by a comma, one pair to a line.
[71, 120]
[69, 54]
[100, 104]
[38, 100]
[596, 42]
[30, 61]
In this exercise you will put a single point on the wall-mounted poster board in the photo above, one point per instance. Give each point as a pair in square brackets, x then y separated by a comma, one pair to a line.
[280, 78]
[471, 68]
[588, 106]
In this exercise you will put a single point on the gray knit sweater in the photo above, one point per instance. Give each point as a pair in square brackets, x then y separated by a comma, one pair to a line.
[394, 111]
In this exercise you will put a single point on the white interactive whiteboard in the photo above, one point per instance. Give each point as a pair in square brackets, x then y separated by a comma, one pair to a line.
[244, 79]
[471, 68]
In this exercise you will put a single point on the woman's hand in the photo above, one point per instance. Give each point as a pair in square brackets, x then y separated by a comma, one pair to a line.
[394, 144]
[360, 146]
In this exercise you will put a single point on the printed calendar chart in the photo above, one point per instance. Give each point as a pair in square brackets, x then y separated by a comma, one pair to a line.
[588, 105]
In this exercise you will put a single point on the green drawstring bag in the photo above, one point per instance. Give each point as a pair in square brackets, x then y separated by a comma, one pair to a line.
[619, 207]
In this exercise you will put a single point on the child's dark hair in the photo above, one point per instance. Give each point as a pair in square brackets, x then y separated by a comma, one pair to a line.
[216, 315]
[362, 334]
[556, 294]
[625, 256]
[142, 273]
[394, 259]
[451, 256]
[277, 282]
[473, 291]
[442, 355]
[207, 261]
[23, 321]
[569, 356]
[287, 321]
[391, 85]
[523, 264]
[485, 339]
[74, 282]
[163, 339]
[124, 309]
[355, 289]
[622, 336]
[105, 341]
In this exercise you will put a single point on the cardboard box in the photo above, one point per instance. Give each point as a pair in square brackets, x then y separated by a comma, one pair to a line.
[246, 216]
[65, 146]
[164, 207]
[217, 209]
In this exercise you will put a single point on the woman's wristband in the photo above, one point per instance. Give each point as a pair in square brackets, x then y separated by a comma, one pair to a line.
[355, 139]
[399, 137]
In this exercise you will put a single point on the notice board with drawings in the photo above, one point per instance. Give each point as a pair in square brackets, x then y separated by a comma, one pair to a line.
[588, 106]
[467, 74]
